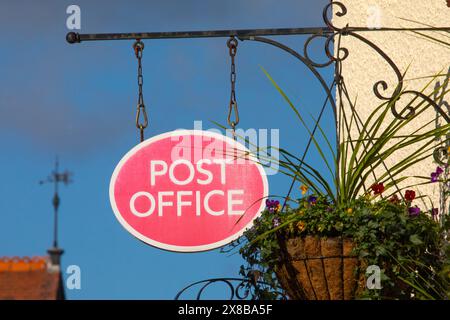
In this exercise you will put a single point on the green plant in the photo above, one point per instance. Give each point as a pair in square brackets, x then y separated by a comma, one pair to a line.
[356, 160]
[385, 232]
[388, 230]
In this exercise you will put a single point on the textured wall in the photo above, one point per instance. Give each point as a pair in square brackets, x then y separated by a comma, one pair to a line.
[424, 57]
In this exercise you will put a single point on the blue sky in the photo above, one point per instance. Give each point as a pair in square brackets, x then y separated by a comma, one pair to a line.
[78, 101]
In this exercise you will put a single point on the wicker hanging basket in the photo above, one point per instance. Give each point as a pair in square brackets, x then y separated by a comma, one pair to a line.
[315, 268]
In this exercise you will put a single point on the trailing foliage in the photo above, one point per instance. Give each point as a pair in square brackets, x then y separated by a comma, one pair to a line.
[406, 246]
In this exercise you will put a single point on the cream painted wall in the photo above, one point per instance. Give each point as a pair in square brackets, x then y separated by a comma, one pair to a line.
[364, 67]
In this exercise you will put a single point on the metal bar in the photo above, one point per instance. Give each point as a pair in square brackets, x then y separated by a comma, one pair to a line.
[363, 29]
[73, 37]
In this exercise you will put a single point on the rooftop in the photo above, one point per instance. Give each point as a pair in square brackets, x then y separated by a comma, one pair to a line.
[30, 278]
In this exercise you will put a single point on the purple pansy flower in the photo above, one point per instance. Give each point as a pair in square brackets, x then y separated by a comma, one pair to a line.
[276, 222]
[434, 177]
[312, 199]
[414, 211]
[434, 212]
[272, 205]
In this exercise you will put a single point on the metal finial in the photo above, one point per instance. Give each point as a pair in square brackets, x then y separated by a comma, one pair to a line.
[56, 177]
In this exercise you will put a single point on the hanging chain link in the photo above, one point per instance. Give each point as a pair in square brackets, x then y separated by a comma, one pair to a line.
[141, 113]
[232, 44]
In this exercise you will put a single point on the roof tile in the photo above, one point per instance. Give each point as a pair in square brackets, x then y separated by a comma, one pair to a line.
[29, 279]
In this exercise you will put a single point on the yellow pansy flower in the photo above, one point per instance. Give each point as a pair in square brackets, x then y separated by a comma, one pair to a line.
[304, 189]
[301, 226]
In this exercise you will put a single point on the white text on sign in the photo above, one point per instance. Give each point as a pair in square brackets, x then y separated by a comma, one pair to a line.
[189, 199]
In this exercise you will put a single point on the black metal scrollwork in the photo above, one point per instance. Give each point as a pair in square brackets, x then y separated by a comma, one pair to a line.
[380, 87]
[239, 288]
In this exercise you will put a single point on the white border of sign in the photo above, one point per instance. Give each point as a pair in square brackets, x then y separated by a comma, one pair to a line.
[169, 247]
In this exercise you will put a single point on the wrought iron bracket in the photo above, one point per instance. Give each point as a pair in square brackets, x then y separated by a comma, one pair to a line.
[330, 32]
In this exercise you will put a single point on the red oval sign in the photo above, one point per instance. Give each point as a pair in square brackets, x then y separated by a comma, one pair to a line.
[188, 190]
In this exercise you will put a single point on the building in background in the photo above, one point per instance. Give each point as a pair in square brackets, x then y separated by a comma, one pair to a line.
[36, 278]
[419, 54]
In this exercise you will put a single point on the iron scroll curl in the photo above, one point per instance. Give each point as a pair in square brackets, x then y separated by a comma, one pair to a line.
[238, 288]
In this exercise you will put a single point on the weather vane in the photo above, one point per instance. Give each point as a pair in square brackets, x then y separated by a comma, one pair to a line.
[57, 177]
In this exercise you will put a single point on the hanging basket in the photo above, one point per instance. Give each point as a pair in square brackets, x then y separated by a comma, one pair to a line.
[315, 268]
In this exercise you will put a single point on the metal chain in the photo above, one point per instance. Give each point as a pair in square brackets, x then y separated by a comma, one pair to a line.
[232, 44]
[141, 113]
